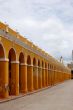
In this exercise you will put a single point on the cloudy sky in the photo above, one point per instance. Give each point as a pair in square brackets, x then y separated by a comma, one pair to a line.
[48, 23]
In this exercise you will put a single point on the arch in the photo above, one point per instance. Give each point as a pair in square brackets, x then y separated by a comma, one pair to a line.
[34, 62]
[12, 57]
[2, 51]
[3, 70]
[39, 63]
[71, 74]
[21, 72]
[28, 60]
[21, 57]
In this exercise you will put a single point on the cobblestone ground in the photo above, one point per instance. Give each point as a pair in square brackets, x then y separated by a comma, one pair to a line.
[59, 97]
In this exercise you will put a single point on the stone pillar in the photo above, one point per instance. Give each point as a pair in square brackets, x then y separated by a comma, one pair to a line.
[14, 86]
[46, 76]
[30, 78]
[60, 75]
[57, 76]
[53, 75]
[43, 77]
[39, 77]
[23, 78]
[4, 78]
[50, 77]
[35, 77]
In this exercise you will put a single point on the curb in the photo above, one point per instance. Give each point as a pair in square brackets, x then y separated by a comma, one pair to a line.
[29, 93]
[22, 95]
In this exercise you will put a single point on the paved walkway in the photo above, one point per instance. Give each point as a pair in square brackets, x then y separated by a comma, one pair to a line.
[59, 97]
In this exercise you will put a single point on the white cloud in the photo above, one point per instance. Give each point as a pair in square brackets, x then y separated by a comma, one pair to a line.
[48, 23]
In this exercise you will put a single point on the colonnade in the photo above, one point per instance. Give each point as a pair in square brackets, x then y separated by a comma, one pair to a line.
[27, 74]
[24, 67]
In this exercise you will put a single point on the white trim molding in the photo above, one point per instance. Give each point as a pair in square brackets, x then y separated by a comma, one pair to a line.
[22, 64]
[4, 59]
[30, 65]
[35, 66]
[15, 62]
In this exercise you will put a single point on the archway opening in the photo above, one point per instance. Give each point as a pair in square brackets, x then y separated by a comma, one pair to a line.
[34, 62]
[71, 74]
[21, 72]
[28, 60]
[2, 74]
[1, 52]
[12, 58]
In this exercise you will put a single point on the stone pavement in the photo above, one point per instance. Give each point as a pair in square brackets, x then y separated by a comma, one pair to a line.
[59, 97]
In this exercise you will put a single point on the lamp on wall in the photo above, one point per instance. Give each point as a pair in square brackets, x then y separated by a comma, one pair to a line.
[61, 59]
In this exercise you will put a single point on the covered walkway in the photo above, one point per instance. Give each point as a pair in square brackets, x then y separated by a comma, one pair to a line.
[59, 97]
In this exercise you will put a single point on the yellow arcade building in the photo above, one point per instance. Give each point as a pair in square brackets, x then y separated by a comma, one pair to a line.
[24, 67]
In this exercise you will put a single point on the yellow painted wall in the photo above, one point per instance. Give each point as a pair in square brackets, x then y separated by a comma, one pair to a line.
[31, 77]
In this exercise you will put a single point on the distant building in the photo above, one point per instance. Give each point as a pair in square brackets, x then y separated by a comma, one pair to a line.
[71, 65]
